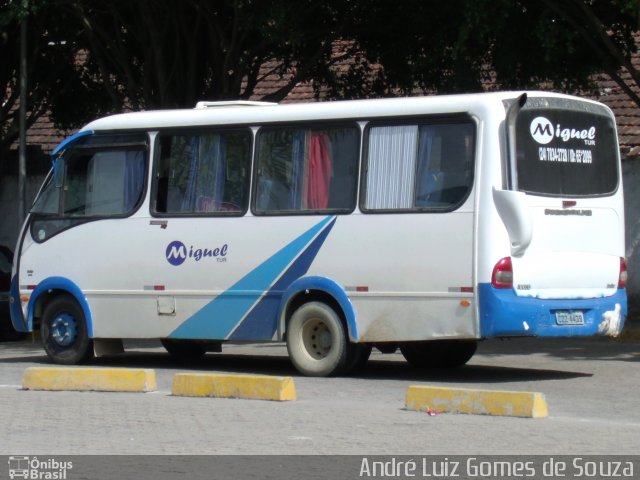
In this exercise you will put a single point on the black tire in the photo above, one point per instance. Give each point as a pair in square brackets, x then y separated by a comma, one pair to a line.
[439, 353]
[316, 340]
[184, 350]
[64, 332]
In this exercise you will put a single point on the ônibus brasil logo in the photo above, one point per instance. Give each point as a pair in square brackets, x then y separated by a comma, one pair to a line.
[543, 131]
[177, 252]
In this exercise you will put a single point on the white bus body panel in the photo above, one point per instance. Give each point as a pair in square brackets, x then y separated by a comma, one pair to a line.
[124, 273]
[406, 276]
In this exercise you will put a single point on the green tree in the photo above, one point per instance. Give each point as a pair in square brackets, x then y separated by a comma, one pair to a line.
[151, 54]
[608, 29]
[50, 63]
[89, 58]
[472, 45]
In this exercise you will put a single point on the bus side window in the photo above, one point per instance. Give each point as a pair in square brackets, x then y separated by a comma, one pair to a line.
[306, 170]
[411, 167]
[203, 173]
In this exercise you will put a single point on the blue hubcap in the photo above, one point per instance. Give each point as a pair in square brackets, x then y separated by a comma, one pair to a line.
[64, 330]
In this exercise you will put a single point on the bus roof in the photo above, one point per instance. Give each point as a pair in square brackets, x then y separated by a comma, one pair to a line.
[261, 114]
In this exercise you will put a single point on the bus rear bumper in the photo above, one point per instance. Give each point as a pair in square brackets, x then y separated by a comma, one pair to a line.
[504, 314]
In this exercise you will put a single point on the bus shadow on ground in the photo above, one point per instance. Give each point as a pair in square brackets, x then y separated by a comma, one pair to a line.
[268, 360]
[379, 367]
[601, 349]
[468, 374]
[373, 370]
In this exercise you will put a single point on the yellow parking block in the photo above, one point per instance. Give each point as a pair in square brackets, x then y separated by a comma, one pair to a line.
[89, 379]
[256, 387]
[479, 402]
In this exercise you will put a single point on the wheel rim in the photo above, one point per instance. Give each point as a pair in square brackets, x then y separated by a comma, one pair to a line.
[317, 338]
[64, 329]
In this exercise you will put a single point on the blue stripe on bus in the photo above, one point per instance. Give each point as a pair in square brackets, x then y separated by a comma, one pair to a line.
[261, 322]
[69, 141]
[504, 314]
[17, 319]
[67, 286]
[326, 285]
[220, 317]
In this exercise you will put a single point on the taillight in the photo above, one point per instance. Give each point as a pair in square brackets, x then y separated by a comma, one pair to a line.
[622, 279]
[502, 276]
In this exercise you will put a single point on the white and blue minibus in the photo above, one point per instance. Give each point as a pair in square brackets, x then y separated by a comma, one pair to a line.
[425, 224]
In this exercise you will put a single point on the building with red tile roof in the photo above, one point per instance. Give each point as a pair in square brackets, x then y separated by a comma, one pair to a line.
[46, 136]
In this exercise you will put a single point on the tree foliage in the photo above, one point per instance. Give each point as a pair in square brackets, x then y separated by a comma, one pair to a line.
[151, 54]
[50, 63]
[471, 45]
[88, 58]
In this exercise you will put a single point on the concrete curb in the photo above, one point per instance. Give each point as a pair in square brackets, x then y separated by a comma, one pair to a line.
[257, 387]
[89, 379]
[474, 401]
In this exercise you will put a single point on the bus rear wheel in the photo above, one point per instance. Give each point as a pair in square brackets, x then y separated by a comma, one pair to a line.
[439, 353]
[316, 340]
[64, 332]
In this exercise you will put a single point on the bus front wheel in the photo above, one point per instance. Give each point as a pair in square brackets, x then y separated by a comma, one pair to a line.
[64, 332]
[316, 340]
[439, 353]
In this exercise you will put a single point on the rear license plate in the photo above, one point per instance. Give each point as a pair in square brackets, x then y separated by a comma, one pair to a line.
[569, 318]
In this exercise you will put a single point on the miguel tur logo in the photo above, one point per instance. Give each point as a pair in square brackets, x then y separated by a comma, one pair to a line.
[543, 131]
[177, 253]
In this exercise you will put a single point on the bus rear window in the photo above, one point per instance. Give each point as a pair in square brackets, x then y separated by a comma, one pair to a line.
[564, 152]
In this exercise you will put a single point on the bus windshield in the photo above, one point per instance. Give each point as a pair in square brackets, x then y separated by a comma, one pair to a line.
[94, 180]
[565, 152]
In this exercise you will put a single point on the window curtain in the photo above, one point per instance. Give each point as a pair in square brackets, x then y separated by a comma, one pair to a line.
[429, 184]
[207, 172]
[425, 144]
[319, 171]
[310, 170]
[189, 199]
[134, 178]
[213, 167]
[391, 167]
[298, 168]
